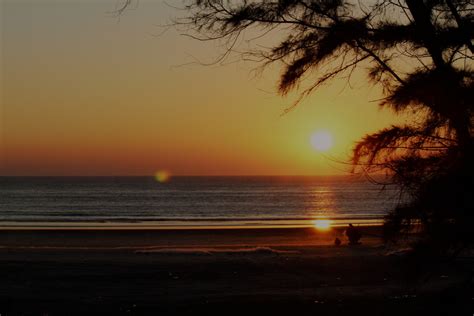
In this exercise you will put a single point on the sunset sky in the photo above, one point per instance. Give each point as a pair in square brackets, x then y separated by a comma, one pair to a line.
[87, 93]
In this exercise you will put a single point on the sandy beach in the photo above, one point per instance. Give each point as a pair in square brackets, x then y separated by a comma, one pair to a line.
[220, 271]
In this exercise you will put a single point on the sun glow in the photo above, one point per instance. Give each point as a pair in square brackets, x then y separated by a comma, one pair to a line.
[322, 141]
[322, 224]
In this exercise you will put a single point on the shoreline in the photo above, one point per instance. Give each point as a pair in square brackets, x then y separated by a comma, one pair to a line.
[184, 224]
[202, 237]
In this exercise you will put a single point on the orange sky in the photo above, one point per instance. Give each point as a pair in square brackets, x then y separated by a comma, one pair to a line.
[86, 93]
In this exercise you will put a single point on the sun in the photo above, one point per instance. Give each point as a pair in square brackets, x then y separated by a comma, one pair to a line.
[322, 141]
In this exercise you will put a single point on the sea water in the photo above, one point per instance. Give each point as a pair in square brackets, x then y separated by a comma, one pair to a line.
[192, 201]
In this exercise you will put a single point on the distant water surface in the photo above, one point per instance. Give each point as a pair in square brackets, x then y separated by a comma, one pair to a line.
[192, 200]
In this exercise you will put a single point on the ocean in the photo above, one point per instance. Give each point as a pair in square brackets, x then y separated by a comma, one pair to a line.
[191, 201]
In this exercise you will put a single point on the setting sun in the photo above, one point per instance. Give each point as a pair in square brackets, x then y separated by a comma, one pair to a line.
[322, 141]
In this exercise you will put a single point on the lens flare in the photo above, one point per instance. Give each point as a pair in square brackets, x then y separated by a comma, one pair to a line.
[322, 224]
[162, 176]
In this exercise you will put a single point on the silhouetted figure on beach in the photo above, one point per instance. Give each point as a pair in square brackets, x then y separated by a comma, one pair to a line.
[353, 234]
[337, 242]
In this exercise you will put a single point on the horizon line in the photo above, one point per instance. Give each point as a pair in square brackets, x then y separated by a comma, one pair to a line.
[181, 175]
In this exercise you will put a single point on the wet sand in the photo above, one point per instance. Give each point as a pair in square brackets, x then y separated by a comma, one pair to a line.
[223, 271]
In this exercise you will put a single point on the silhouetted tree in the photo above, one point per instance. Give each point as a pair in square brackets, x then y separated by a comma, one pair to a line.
[419, 51]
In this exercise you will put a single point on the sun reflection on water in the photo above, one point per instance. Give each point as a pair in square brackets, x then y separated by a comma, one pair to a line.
[322, 224]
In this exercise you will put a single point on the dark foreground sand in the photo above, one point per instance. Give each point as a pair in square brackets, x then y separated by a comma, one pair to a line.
[225, 272]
